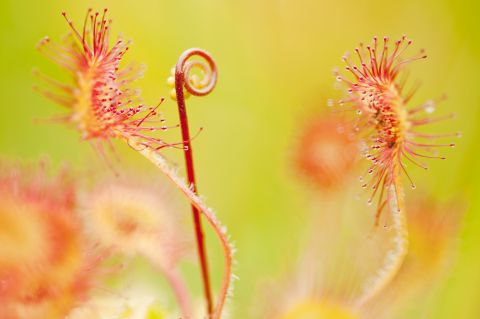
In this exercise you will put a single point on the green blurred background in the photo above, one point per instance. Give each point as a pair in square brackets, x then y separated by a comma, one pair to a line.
[275, 61]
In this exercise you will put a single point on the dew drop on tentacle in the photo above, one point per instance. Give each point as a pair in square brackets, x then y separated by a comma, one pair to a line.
[385, 119]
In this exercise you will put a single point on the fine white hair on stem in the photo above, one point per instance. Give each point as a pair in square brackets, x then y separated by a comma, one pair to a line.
[395, 257]
[159, 161]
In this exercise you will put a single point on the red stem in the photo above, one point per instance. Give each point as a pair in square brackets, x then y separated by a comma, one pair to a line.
[181, 72]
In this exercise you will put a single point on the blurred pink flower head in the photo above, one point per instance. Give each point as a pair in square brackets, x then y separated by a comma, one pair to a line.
[326, 152]
[47, 265]
[135, 217]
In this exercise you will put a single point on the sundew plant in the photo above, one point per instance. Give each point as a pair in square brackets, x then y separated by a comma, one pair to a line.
[350, 197]
[102, 108]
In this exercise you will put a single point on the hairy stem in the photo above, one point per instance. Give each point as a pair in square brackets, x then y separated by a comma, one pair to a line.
[160, 162]
[394, 259]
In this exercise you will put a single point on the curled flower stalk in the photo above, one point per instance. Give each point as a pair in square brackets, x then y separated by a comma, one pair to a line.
[198, 88]
[389, 125]
[102, 106]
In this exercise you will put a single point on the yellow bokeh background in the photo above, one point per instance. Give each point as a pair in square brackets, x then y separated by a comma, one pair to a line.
[275, 60]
